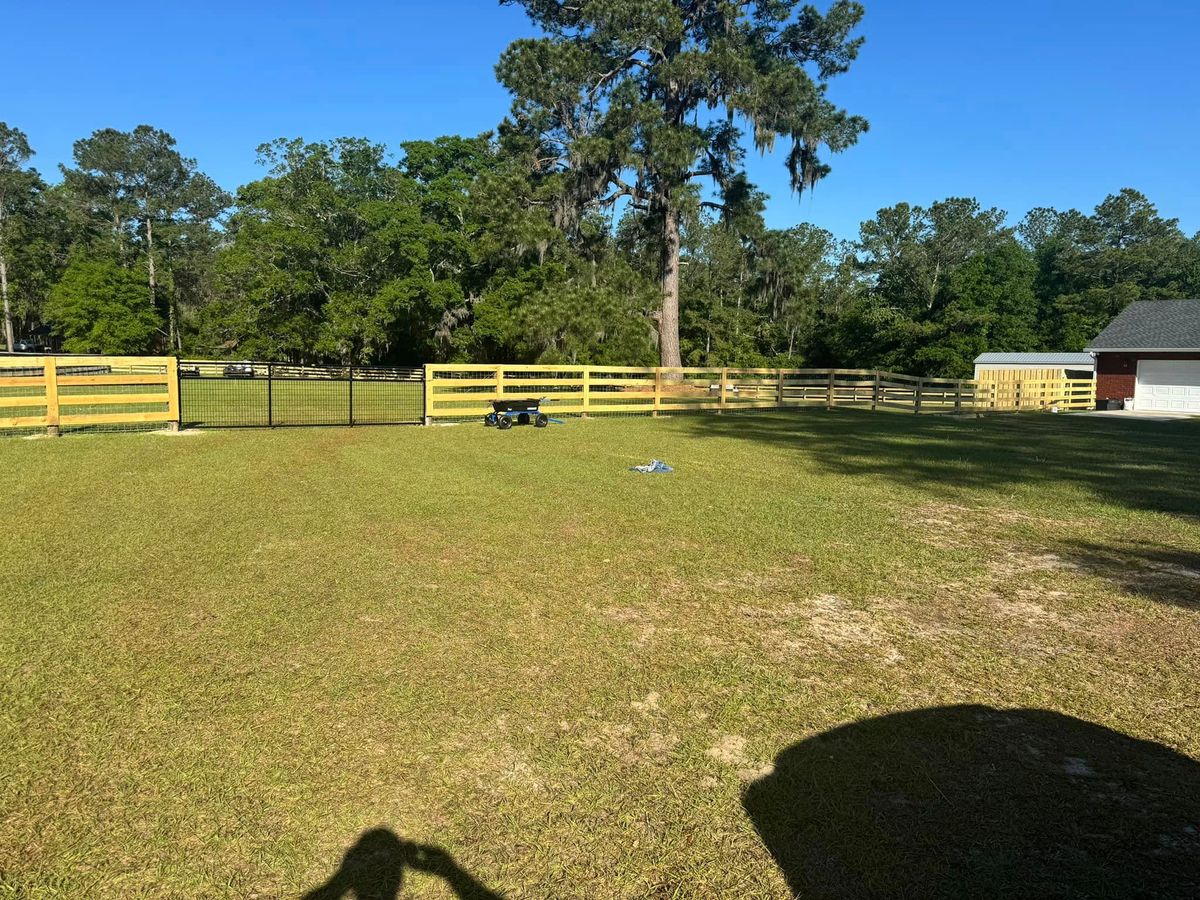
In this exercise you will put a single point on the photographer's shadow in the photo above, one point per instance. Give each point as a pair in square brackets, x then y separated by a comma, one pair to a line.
[375, 867]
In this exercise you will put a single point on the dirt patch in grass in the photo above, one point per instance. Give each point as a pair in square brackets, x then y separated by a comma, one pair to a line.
[1012, 563]
[837, 622]
[730, 750]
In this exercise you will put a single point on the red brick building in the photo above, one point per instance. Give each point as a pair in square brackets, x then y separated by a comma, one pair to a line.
[1150, 354]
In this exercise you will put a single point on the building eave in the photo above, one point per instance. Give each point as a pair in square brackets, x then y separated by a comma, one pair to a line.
[1142, 350]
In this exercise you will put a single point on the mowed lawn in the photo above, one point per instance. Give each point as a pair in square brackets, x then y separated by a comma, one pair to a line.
[840, 654]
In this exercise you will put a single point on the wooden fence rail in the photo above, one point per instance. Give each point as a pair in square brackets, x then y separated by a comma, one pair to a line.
[58, 392]
[457, 391]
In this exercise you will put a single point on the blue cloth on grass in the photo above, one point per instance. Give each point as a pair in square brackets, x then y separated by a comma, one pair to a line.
[654, 467]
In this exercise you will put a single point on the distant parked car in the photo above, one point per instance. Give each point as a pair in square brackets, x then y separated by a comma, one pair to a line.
[189, 371]
[239, 370]
[29, 345]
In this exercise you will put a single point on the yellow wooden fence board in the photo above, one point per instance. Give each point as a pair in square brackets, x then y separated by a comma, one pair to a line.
[115, 418]
[35, 400]
[439, 383]
[24, 422]
[33, 381]
[473, 395]
[531, 383]
[491, 367]
[66, 380]
[111, 360]
[111, 399]
[645, 407]
[621, 382]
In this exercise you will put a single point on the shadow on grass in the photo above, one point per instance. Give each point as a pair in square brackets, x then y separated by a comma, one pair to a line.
[970, 801]
[1166, 574]
[1137, 464]
[375, 867]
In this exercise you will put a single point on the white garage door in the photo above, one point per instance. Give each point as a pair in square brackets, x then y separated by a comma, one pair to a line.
[1172, 385]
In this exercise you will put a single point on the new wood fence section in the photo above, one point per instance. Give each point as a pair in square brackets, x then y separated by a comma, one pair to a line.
[58, 392]
[462, 391]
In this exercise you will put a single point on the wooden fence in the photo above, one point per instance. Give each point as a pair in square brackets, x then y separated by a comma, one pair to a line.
[461, 391]
[58, 392]
[1061, 393]
[985, 376]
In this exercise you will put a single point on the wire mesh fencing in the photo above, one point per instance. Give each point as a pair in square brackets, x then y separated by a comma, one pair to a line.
[463, 391]
[63, 393]
[275, 395]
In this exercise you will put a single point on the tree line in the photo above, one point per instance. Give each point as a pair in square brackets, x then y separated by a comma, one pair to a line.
[607, 219]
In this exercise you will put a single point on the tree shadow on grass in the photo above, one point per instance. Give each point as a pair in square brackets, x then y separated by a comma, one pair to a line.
[1166, 574]
[374, 868]
[970, 801]
[1137, 464]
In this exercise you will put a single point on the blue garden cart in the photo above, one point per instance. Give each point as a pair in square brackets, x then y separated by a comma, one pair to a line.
[506, 413]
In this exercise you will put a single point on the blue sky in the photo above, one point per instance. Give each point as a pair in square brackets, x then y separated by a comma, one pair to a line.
[1021, 104]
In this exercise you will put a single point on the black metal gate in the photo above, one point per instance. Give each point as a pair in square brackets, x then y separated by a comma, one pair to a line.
[270, 395]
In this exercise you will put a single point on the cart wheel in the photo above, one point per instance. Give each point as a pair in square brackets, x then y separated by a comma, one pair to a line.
[503, 423]
[541, 421]
[523, 419]
[489, 420]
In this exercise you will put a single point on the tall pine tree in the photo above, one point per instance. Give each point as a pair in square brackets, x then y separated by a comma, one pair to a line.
[637, 99]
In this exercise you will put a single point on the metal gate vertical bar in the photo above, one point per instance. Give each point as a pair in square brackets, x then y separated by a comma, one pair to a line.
[270, 399]
[352, 395]
[179, 395]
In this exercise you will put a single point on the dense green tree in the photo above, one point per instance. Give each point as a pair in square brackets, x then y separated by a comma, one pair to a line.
[100, 307]
[338, 254]
[1091, 267]
[20, 189]
[612, 96]
[501, 249]
[996, 289]
[794, 277]
[930, 277]
[140, 184]
[720, 325]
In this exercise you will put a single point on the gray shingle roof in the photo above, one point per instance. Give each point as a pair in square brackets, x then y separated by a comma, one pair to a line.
[1034, 360]
[1153, 325]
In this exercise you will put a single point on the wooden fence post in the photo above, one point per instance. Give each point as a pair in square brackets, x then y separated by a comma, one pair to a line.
[724, 379]
[657, 390]
[587, 388]
[779, 395]
[428, 394]
[917, 395]
[173, 394]
[50, 372]
[958, 396]
[500, 382]
[875, 391]
[829, 390]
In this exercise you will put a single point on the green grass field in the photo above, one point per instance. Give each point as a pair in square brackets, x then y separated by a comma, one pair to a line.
[840, 654]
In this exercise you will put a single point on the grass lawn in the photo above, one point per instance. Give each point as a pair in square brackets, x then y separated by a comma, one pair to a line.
[836, 653]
